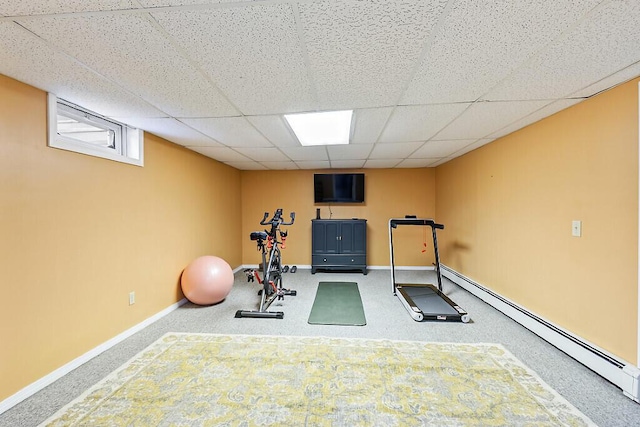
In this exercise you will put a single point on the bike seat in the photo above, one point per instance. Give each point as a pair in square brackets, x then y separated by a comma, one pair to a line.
[258, 235]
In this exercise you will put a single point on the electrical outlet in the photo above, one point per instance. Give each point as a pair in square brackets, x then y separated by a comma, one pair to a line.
[132, 298]
[576, 228]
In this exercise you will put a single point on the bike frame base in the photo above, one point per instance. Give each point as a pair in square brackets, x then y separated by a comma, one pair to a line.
[284, 292]
[260, 314]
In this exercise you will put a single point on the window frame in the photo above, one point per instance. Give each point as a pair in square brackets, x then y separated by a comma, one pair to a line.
[129, 141]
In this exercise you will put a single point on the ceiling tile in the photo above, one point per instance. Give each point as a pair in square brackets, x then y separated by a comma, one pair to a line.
[12, 8]
[306, 153]
[416, 163]
[362, 53]
[27, 58]
[614, 79]
[440, 162]
[368, 124]
[378, 163]
[483, 118]
[223, 154]
[155, 70]
[275, 130]
[349, 152]
[160, 3]
[171, 130]
[270, 154]
[347, 164]
[246, 165]
[394, 150]
[601, 45]
[540, 114]
[313, 164]
[479, 143]
[442, 148]
[280, 165]
[252, 53]
[419, 123]
[481, 42]
[230, 131]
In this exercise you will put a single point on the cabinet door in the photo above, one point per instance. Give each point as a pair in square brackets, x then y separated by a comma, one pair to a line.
[360, 237]
[332, 237]
[318, 237]
[325, 237]
[346, 237]
[353, 237]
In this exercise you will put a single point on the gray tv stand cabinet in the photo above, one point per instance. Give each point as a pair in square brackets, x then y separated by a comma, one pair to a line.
[339, 244]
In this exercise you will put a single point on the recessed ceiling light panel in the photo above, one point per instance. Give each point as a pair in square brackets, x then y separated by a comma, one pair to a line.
[326, 128]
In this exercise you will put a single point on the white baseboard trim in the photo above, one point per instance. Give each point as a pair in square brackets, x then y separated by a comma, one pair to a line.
[369, 267]
[404, 267]
[38, 385]
[617, 371]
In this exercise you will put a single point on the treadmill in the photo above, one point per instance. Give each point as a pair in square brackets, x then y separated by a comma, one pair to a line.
[424, 301]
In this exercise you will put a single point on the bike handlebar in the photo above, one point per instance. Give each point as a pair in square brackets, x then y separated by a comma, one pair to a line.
[264, 220]
[292, 215]
[277, 218]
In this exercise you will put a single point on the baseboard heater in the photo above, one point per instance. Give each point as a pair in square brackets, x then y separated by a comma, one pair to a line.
[624, 375]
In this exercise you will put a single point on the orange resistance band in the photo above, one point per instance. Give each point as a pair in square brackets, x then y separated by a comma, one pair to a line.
[424, 239]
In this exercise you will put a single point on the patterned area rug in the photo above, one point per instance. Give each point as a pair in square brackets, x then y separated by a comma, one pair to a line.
[239, 380]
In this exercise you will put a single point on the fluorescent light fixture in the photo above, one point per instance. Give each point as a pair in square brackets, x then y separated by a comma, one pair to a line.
[327, 128]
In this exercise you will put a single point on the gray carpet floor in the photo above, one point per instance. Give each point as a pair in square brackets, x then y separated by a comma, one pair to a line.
[601, 401]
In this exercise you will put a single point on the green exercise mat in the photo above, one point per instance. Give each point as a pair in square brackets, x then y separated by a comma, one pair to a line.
[337, 303]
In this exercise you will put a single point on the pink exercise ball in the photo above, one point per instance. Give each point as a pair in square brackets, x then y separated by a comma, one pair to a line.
[207, 280]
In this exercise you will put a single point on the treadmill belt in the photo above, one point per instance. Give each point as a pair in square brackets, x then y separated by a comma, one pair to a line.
[428, 300]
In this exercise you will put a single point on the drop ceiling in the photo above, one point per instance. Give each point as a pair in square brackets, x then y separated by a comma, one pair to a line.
[428, 80]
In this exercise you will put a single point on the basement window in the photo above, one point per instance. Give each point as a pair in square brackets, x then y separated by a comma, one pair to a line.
[77, 129]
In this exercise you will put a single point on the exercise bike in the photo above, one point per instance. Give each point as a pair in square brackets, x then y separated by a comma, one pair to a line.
[270, 242]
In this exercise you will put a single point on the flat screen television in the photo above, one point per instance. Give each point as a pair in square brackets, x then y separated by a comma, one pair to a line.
[338, 187]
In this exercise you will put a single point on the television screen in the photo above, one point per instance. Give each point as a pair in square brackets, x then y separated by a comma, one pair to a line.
[338, 188]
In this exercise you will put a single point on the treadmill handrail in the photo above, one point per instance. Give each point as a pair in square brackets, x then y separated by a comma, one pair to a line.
[394, 222]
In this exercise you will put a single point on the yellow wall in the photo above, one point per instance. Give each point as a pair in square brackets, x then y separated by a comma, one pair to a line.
[389, 193]
[509, 207]
[79, 233]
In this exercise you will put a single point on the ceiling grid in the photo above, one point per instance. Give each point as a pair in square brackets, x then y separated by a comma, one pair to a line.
[428, 80]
